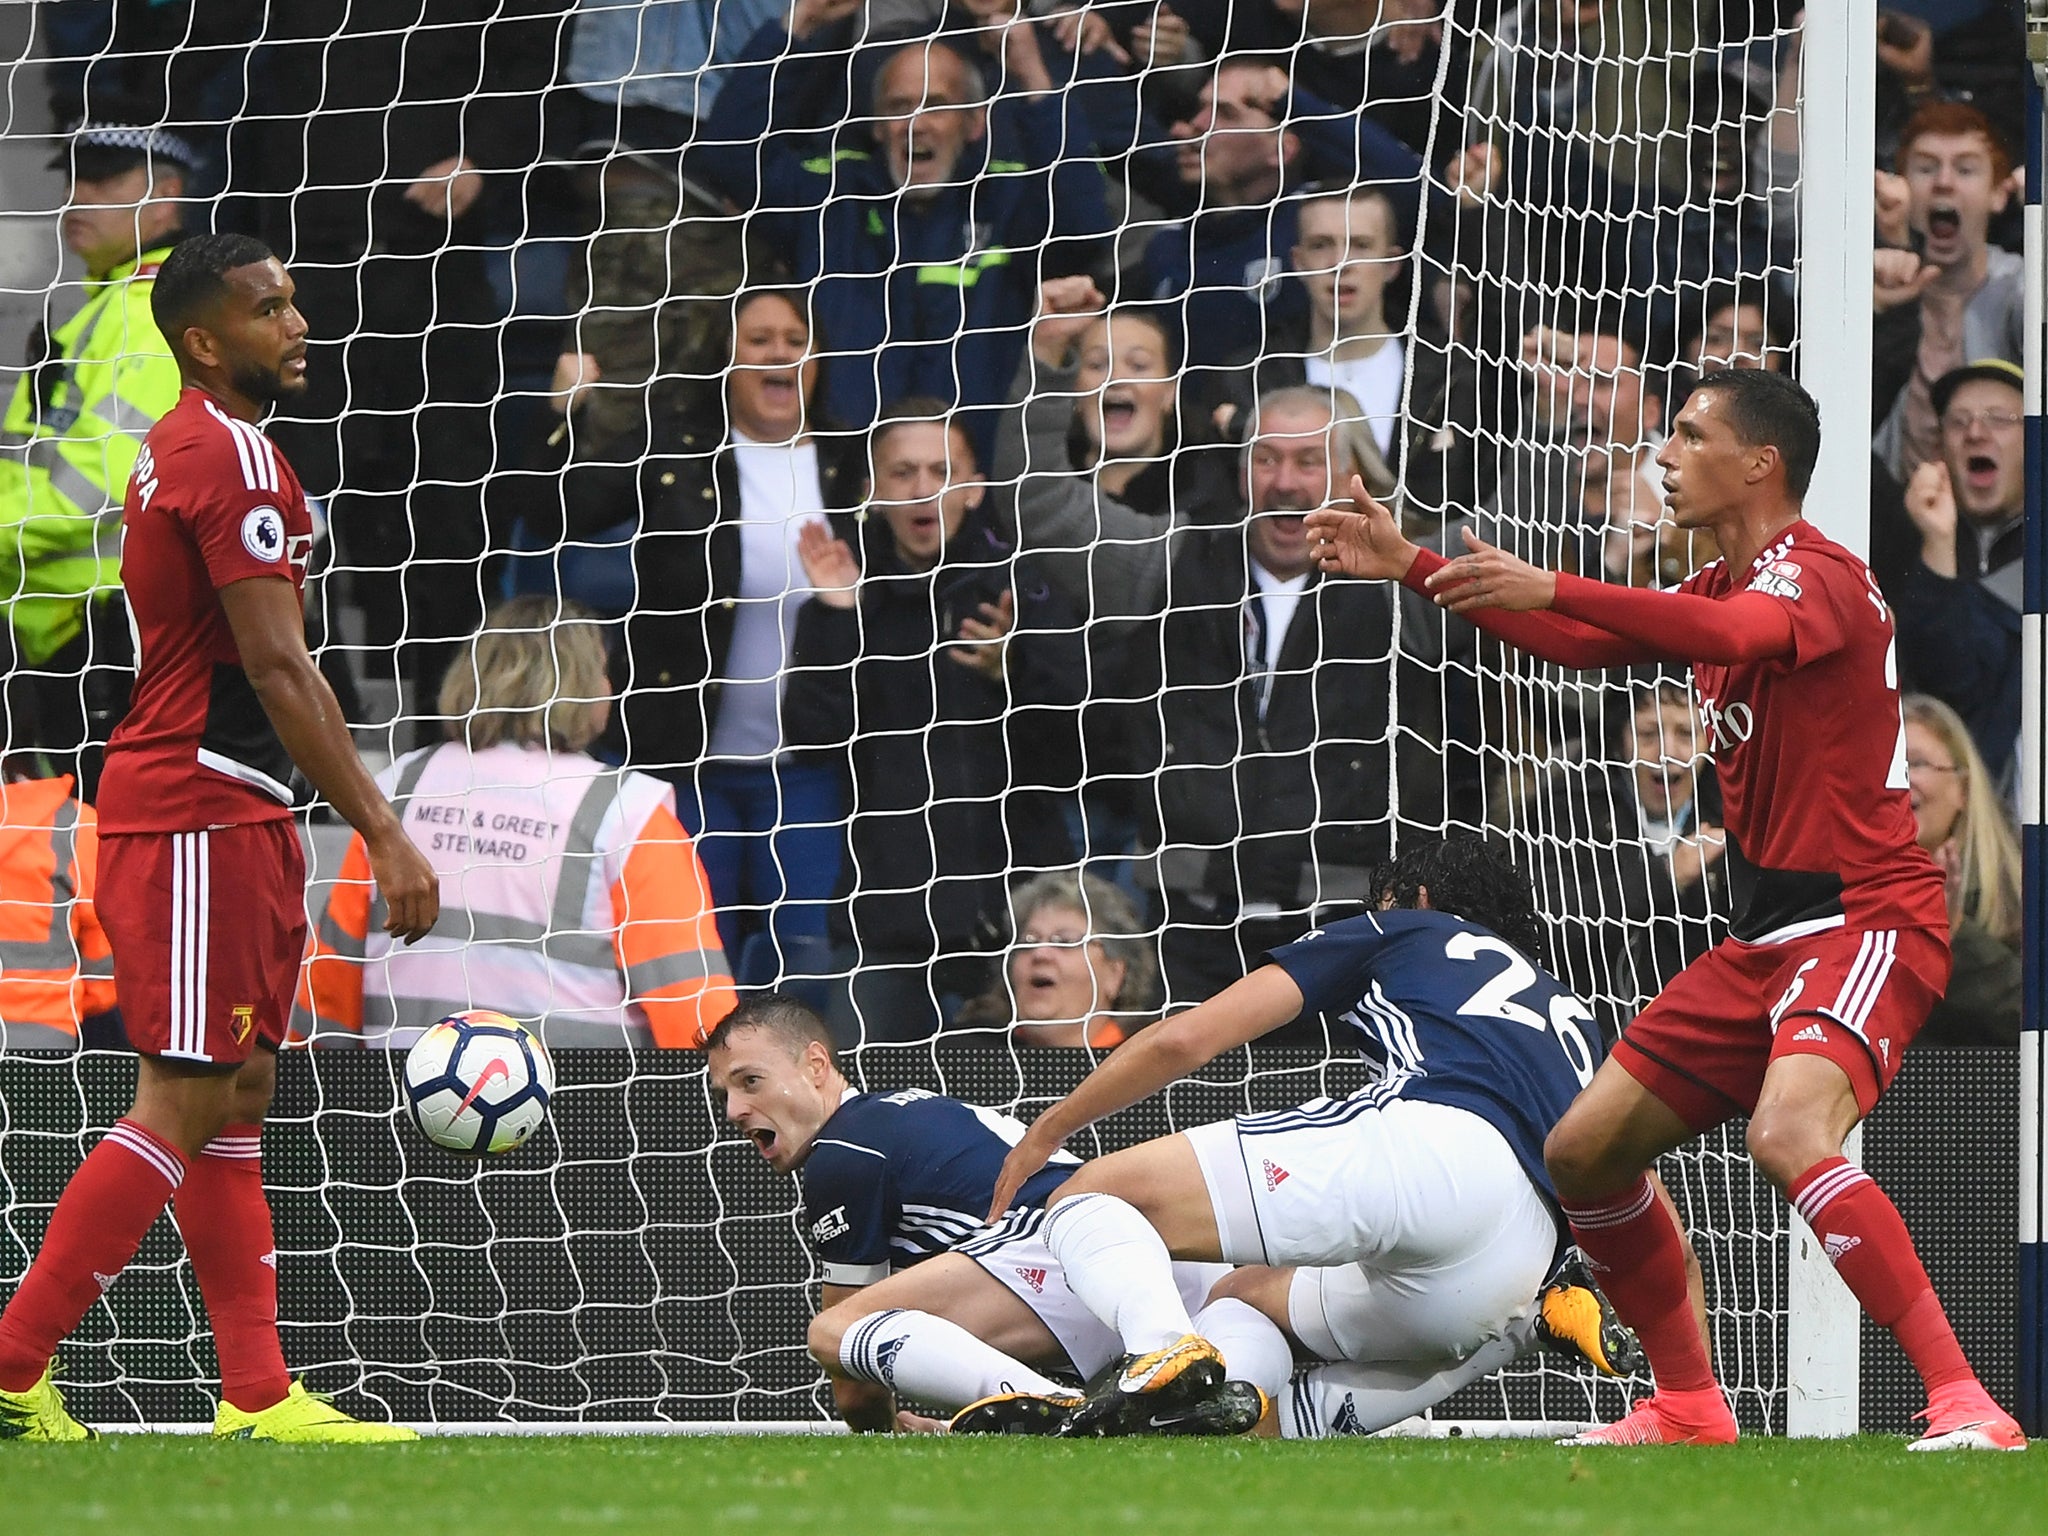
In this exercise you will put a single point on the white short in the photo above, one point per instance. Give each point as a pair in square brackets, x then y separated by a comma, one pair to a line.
[1016, 1255]
[1415, 1231]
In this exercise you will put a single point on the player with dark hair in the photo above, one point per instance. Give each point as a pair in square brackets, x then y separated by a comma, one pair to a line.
[1839, 944]
[917, 1299]
[201, 877]
[1402, 1234]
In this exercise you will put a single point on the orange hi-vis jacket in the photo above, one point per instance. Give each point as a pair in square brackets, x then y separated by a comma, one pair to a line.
[56, 966]
[571, 899]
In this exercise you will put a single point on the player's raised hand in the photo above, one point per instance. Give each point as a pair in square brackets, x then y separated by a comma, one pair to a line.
[407, 882]
[1025, 1159]
[1361, 540]
[1491, 578]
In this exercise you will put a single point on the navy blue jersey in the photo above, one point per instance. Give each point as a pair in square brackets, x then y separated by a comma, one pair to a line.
[1452, 1013]
[897, 1177]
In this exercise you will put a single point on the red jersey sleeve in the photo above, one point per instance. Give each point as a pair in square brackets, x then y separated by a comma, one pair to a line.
[237, 500]
[1808, 588]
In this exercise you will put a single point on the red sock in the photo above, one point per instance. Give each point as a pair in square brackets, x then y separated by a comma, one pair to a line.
[225, 1219]
[1639, 1255]
[1871, 1250]
[101, 1218]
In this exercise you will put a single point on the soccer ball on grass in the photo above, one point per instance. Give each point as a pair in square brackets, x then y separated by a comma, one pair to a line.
[478, 1082]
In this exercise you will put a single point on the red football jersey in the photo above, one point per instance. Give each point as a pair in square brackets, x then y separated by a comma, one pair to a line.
[211, 502]
[1810, 753]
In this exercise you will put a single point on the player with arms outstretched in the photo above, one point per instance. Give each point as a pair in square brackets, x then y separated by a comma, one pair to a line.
[1839, 945]
[918, 1300]
[201, 876]
[1403, 1234]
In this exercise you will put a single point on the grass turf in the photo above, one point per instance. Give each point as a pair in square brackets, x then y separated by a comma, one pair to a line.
[166, 1486]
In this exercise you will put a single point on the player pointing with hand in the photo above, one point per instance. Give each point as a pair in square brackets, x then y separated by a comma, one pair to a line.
[202, 879]
[1839, 945]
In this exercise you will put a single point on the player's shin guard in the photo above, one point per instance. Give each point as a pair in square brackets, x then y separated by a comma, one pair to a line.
[1638, 1255]
[1118, 1265]
[933, 1361]
[100, 1220]
[1253, 1348]
[1866, 1240]
[225, 1219]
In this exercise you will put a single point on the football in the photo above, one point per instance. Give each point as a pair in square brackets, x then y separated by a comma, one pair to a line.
[478, 1082]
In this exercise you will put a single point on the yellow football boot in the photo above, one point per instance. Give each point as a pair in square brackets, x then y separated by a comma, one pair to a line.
[39, 1414]
[304, 1418]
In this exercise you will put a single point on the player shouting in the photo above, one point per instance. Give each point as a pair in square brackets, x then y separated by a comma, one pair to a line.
[202, 881]
[1839, 946]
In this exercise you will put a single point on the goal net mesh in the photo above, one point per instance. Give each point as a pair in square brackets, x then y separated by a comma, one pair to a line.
[1603, 207]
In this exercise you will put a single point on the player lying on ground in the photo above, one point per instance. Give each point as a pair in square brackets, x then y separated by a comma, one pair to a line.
[894, 1187]
[196, 823]
[892, 1183]
[1418, 1208]
[1800, 1017]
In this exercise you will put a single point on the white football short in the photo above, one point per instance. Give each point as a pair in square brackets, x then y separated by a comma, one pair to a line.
[1415, 1231]
[1016, 1255]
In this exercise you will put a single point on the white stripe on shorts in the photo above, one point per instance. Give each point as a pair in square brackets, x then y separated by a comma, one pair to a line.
[191, 905]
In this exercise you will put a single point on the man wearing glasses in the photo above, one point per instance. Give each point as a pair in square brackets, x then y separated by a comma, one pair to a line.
[1958, 608]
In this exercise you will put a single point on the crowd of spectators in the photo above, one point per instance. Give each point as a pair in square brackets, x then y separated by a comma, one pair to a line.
[920, 398]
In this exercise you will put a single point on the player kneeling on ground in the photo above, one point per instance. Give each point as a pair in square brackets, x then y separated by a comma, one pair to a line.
[919, 1300]
[1424, 1194]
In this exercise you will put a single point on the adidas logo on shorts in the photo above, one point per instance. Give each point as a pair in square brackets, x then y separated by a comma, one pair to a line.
[1839, 1243]
[1035, 1278]
[1275, 1175]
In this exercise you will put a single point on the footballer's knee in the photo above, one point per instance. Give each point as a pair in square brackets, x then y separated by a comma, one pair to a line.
[1260, 1287]
[255, 1086]
[1586, 1162]
[1784, 1143]
[826, 1333]
[1802, 1117]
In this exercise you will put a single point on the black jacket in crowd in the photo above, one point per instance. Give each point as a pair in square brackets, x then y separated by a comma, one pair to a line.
[1234, 796]
[942, 758]
[686, 573]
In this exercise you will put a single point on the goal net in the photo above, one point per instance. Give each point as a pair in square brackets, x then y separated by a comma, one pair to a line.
[525, 237]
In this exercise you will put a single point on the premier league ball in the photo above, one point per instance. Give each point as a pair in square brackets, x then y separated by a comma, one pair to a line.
[478, 1082]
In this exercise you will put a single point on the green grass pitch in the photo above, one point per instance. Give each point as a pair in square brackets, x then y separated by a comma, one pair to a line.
[168, 1486]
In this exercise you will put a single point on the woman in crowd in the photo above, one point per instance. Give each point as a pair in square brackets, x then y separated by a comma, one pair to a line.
[708, 645]
[1964, 825]
[1082, 970]
[571, 898]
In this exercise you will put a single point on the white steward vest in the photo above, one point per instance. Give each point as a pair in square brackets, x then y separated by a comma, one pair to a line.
[529, 844]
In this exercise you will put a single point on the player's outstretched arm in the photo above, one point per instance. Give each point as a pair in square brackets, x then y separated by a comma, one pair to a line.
[1148, 1062]
[270, 633]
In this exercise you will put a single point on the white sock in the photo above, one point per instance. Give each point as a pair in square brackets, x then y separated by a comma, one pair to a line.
[1354, 1399]
[1253, 1347]
[1119, 1267]
[933, 1361]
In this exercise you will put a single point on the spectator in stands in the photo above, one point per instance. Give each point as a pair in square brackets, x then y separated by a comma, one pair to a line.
[1959, 604]
[573, 899]
[1081, 971]
[1739, 325]
[93, 388]
[377, 139]
[1347, 256]
[1958, 298]
[1266, 723]
[716, 510]
[1651, 891]
[926, 253]
[1252, 135]
[1385, 56]
[949, 692]
[56, 965]
[652, 289]
[1964, 824]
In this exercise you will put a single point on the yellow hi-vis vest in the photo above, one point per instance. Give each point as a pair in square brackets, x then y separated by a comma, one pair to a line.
[67, 447]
